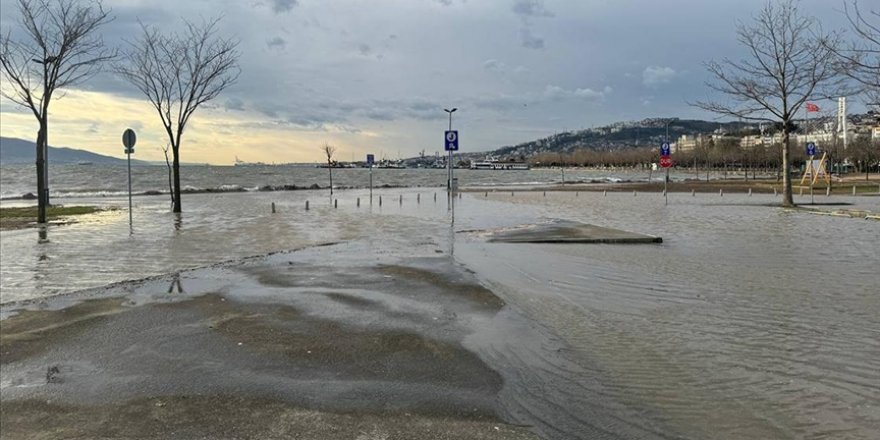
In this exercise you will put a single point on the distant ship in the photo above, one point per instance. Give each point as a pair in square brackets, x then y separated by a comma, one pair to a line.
[490, 163]
[241, 163]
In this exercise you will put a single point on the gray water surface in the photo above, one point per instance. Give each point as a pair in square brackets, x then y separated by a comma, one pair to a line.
[749, 321]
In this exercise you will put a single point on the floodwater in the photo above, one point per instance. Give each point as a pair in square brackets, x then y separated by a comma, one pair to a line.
[748, 321]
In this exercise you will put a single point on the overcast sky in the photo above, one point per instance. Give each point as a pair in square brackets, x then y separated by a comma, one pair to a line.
[373, 76]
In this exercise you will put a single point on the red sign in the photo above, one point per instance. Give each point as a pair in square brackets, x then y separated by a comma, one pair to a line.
[665, 161]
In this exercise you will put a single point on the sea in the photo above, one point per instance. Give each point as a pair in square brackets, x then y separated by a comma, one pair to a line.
[75, 181]
[748, 321]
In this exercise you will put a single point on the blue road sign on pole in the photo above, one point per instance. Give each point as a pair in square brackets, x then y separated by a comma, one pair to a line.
[451, 141]
[811, 149]
[664, 149]
[371, 159]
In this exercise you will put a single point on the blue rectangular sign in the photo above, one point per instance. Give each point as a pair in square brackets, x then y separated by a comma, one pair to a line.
[811, 149]
[664, 149]
[370, 159]
[450, 141]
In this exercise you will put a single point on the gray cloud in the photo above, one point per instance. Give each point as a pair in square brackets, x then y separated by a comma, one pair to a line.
[654, 76]
[530, 40]
[233, 104]
[364, 49]
[276, 43]
[530, 8]
[495, 65]
[279, 6]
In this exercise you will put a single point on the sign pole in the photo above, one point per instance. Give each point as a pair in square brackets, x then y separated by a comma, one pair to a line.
[665, 162]
[370, 160]
[665, 193]
[128, 140]
[130, 220]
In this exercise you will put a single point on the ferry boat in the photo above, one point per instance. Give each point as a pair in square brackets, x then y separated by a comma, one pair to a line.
[491, 163]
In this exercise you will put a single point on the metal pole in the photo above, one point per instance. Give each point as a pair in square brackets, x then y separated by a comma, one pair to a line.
[666, 193]
[666, 179]
[130, 223]
[371, 184]
[449, 162]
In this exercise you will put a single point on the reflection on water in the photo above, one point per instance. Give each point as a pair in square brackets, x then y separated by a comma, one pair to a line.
[747, 322]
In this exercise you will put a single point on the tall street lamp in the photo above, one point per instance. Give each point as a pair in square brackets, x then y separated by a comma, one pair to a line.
[449, 162]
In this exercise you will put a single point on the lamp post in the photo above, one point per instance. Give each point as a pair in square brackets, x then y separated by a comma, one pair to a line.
[43, 147]
[449, 162]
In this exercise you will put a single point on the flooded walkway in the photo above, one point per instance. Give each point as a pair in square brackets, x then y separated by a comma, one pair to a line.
[748, 321]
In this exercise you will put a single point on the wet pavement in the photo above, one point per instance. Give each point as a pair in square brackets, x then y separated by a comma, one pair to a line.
[337, 348]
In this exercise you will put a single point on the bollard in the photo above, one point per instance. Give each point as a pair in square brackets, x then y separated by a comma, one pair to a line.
[827, 191]
[273, 207]
[307, 205]
[605, 193]
[634, 193]
[750, 192]
[802, 191]
[380, 200]
[721, 192]
[854, 190]
[359, 202]
[459, 195]
[577, 193]
[774, 192]
[401, 199]
[486, 194]
[435, 197]
[693, 193]
[511, 194]
[664, 193]
[335, 203]
[545, 193]
[419, 198]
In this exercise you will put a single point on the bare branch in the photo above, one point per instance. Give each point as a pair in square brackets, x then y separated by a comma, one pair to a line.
[790, 61]
[178, 72]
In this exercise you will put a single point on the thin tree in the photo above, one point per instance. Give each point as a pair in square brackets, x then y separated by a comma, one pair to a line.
[789, 60]
[178, 72]
[865, 152]
[329, 150]
[57, 47]
[861, 58]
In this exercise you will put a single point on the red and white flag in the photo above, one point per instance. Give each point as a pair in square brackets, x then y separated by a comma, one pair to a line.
[812, 108]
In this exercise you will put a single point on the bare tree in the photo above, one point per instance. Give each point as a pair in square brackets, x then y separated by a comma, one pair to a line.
[861, 58]
[178, 72]
[58, 46]
[790, 60]
[866, 153]
[328, 151]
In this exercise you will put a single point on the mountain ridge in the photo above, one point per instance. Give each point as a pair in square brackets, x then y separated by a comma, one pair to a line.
[14, 151]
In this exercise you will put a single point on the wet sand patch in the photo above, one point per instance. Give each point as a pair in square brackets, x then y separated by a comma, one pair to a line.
[565, 231]
[227, 417]
[399, 365]
[31, 332]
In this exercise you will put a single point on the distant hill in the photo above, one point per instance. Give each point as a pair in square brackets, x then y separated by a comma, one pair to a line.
[645, 133]
[19, 151]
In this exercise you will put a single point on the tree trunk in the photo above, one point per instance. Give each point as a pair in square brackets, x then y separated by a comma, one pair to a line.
[175, 149]
[787, 199]
[330, 169]
[41, 189]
